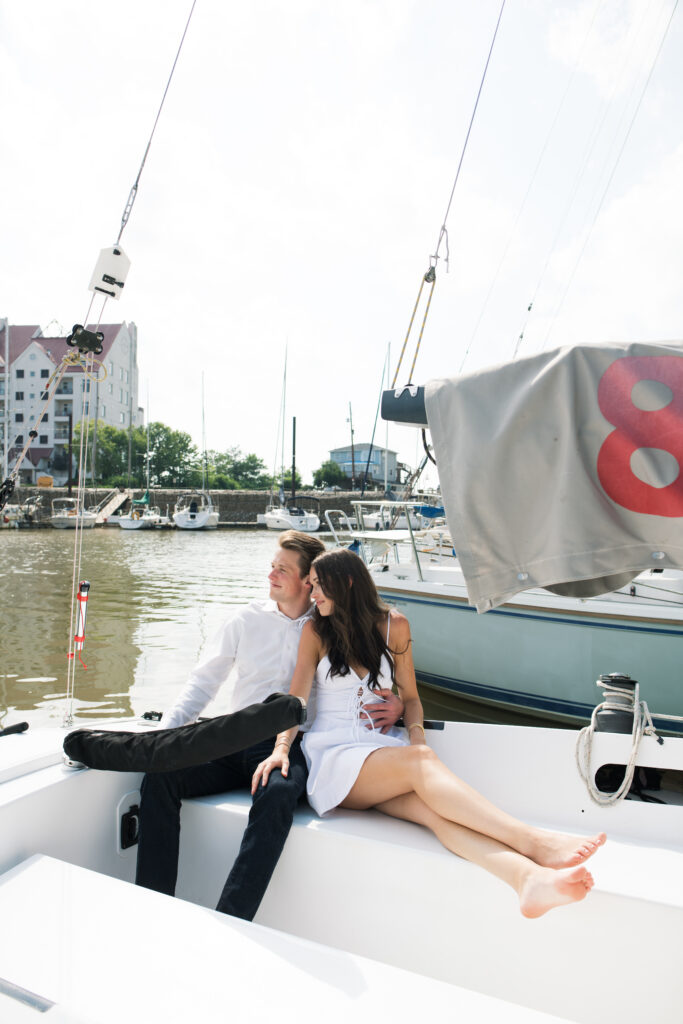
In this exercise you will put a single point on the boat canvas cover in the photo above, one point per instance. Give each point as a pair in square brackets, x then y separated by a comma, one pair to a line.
[562, 470]
[166, 750]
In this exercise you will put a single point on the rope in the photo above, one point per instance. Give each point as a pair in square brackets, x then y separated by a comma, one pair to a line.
[430, 276]
[623, 699]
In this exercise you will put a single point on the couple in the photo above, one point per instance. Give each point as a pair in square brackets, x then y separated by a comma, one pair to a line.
[354, 649]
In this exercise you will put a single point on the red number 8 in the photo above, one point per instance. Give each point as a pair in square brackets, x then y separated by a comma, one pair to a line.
[640, 428]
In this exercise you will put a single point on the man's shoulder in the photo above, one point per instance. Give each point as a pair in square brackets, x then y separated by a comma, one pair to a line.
[256, 609]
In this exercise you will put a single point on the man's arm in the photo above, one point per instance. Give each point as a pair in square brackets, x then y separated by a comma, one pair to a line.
[206, 678]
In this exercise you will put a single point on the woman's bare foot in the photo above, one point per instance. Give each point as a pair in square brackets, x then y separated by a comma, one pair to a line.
[544, 888]
[560, 850]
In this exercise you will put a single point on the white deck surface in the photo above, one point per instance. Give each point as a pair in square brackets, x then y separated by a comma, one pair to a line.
[102, 951]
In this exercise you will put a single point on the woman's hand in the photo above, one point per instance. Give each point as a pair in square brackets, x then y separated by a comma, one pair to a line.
[278, 759]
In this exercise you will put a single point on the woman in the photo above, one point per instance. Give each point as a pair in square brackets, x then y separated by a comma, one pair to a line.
[354, 645]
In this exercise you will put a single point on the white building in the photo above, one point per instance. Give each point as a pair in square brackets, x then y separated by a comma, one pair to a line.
[354, 461]
[28, 360]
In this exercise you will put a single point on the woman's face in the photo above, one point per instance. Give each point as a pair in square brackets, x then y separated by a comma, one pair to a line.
[324, 605]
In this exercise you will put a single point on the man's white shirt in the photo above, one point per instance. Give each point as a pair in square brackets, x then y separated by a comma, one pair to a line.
[255, 651]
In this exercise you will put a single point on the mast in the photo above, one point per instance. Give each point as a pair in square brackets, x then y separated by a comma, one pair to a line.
[203, 437]
[294, 460]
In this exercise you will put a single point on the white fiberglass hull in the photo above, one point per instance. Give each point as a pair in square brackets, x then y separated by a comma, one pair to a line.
[58, 828]
[284, 520]
[538, 654]
[85, 521]
[204, 520]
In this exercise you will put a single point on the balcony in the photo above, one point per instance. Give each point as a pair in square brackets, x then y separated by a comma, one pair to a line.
[65, 388]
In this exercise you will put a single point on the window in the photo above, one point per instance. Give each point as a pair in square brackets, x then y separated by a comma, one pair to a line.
[32, 396]
[110, 388]
[46, 417]
[32, 373]
[44, 395]
[19, 396]
[110, 367]
[32, 356]
[121, 395]
[126, 377]
[122, 418]
[44, 373]
[20, 374]
[103, 411]
[43, 438]
[86, 408]
[19, 439]
[18, 417]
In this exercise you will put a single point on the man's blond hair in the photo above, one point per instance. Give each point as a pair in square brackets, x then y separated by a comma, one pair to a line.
[306, 546]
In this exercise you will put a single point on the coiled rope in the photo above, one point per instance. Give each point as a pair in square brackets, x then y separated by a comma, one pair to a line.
[622, 699]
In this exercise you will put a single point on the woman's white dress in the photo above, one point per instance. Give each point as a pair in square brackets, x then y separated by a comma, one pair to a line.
[338, 742]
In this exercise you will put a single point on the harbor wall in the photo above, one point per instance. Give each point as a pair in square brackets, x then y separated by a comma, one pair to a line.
[235, 508]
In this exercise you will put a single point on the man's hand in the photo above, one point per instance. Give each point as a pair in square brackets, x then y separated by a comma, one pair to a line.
[386, 714]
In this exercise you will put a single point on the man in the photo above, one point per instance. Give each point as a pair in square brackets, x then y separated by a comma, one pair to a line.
[257, 650]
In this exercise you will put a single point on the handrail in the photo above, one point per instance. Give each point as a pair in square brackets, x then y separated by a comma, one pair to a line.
[357, 505]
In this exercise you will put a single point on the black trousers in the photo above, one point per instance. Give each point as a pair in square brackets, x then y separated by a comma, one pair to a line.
[270, 820]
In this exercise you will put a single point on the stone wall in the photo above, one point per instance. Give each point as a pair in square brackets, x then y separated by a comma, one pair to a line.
[234, 507]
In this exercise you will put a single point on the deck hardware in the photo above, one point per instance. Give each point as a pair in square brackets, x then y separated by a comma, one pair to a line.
[130, 826]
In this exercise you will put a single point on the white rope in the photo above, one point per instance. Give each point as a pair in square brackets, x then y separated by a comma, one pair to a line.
[626, 701]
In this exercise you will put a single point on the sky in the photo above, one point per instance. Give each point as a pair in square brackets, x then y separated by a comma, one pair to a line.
[298, 179]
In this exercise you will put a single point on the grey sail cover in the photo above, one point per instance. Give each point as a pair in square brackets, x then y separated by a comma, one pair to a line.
[562, 470]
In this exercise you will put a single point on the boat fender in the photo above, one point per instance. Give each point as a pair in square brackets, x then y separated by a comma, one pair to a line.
[167, 750]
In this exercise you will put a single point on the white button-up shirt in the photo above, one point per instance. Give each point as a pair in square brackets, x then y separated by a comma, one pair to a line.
[255, 651]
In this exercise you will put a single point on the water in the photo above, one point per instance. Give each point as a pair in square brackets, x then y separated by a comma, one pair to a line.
[156, 598]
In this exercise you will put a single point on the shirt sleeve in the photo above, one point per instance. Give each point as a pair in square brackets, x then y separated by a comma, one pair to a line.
[207, 676]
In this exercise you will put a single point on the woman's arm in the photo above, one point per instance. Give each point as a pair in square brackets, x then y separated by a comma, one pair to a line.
[302, 682]
[404, 672]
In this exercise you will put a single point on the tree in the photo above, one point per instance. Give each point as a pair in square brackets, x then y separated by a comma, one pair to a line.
[329, 474]
[246, 472]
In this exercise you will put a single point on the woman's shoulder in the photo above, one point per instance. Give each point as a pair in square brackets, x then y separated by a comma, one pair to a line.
[399, 625]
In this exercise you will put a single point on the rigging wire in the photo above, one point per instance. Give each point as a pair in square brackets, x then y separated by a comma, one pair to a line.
[591, 142]
[537, 168]
[430, 276]
[85, 417]
[134, 190]
[614, 169]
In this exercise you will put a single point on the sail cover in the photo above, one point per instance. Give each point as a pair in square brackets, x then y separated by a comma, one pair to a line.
[165, 750]
[563, 470]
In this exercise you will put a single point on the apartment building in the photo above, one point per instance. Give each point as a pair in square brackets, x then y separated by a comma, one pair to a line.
[28, 359]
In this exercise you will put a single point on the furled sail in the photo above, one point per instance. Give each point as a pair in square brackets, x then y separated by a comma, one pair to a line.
[563, 470]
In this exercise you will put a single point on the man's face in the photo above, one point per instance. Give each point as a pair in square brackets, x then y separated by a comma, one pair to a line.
[286, 584]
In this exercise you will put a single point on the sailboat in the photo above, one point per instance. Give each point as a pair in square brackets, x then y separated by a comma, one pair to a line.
[194, 509]
[289, 515]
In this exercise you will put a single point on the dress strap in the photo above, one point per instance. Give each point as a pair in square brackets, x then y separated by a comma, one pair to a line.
[388, 626]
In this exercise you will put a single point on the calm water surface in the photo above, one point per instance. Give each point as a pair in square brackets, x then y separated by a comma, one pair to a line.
[156, 598]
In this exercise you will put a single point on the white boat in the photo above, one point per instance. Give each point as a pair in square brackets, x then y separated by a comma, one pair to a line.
[194, 511]
[67, 515]
[539, 653]
[290, 517]
[365, 915]
[148, 518]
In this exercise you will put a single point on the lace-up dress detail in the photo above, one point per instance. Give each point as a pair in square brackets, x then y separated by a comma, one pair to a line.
[339, 741]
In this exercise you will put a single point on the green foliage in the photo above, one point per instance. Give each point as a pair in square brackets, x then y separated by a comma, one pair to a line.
[175, 460]
[287, 483]
[330, 473]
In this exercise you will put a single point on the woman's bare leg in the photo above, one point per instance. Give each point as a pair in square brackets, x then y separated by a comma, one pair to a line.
[395, 771]
[539, 888]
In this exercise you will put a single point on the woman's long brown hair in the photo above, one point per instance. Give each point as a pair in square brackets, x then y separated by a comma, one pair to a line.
[352, 632]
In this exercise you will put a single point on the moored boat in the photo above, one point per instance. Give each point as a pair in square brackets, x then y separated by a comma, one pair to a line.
[67, 514]
[194, 511]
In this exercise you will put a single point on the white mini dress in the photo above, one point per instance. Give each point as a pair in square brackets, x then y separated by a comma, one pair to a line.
[338, 742]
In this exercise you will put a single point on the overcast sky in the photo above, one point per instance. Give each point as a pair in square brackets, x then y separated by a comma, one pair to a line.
[298, 179]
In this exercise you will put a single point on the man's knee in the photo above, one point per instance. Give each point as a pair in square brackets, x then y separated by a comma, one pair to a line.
[281, 792]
